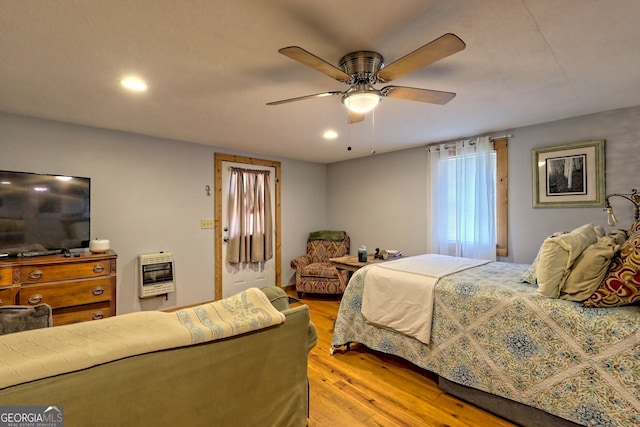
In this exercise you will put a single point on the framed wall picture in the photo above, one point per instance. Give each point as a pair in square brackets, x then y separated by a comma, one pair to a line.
[570, 175]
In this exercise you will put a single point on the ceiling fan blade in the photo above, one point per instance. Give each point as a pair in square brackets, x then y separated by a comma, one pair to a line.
[300, 98]
[415, 94]
[438, 49]
[299, 54]
[355, 117]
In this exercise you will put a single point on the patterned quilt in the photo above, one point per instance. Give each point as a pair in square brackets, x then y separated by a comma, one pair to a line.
[494, 333]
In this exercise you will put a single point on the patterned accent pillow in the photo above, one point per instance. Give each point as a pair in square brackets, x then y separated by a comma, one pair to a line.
[621, 286]
[635, 227]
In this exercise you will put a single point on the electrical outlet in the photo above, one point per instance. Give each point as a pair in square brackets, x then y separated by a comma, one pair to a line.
[206, 223]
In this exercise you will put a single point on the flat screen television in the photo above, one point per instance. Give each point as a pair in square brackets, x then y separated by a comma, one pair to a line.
[41, 212]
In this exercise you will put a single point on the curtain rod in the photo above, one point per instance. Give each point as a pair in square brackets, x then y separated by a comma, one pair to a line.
[471, 141]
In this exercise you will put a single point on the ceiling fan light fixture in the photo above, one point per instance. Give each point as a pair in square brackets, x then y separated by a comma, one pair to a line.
[362, 100]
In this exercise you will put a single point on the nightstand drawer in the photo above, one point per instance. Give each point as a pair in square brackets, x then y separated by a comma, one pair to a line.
[49, 273]
[68, 293]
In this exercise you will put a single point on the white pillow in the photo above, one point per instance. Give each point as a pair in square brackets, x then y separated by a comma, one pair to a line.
[558, 254]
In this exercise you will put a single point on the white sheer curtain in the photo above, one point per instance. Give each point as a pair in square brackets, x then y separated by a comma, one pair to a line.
[250, 217]
[462, 199]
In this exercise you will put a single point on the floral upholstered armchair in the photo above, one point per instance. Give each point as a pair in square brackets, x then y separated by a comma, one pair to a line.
[314, 273]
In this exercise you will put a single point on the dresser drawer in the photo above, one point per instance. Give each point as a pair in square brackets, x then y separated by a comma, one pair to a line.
[49, 273]
[78, 288]
[7, 297]
[6, 274]
[97, 311]
[68, 293]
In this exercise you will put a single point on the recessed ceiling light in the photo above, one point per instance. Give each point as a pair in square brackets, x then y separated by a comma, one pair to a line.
[134, 83]
[330, 134]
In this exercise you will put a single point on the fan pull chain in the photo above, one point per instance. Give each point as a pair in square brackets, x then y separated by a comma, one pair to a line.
[373, 132]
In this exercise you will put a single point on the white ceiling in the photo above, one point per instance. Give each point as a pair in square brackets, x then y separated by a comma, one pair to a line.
[212, 65]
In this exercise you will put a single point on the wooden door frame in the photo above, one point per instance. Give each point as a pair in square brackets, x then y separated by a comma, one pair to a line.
[219, 158]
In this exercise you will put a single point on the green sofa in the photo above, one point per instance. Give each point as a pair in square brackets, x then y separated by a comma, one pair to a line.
[253, 379]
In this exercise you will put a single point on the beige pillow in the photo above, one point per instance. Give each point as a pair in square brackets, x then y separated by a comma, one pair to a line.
[557, 255]
[589, 269]
[619, 236]
[531, 275]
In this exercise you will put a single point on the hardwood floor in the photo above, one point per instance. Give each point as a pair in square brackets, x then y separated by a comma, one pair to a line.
[361, 387]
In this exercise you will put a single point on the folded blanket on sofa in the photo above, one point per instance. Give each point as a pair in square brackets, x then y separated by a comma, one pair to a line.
[41, 353]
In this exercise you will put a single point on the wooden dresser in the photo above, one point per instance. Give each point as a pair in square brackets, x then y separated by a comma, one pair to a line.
[78, 288]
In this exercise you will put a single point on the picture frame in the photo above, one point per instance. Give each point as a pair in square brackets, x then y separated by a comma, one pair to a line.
[569, 175]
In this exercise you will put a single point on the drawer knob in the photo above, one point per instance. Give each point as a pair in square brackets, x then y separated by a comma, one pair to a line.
[0, 302]
[35, 299]
[98, 290]
[98, 268]
[36, 274]
[97, 315]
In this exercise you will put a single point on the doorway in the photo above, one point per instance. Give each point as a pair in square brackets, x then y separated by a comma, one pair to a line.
[230, 278]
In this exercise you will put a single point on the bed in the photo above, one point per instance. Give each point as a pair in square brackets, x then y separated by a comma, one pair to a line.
[495, 334]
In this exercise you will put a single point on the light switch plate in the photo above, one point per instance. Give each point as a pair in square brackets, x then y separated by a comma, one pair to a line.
[206, 223]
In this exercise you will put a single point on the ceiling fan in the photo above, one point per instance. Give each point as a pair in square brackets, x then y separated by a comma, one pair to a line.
[363, 69]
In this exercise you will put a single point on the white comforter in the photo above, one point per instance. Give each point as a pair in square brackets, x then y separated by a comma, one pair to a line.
[399, 294]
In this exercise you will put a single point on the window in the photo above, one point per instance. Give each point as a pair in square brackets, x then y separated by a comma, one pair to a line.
[468, 198]
[462, 197]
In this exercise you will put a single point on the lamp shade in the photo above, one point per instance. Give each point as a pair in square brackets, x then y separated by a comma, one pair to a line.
[361, 101]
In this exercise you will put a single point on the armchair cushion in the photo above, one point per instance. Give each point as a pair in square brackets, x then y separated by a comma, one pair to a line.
[320, 269]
